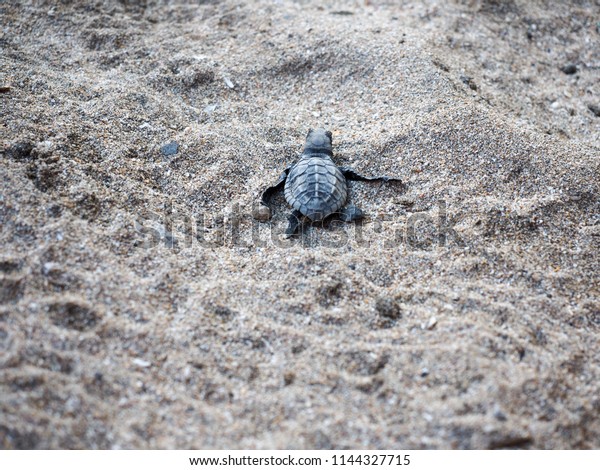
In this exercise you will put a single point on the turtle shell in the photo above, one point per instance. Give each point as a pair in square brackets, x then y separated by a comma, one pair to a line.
[316, 187]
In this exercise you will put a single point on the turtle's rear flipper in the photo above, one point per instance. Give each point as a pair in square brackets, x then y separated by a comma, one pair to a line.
[350, 174]
[351, 213]
[268, 193]
[293, 223]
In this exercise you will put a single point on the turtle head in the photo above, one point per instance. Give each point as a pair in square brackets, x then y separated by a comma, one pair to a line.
[318, 141]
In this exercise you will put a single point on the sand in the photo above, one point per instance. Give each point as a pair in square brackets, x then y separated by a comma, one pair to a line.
[142, 306]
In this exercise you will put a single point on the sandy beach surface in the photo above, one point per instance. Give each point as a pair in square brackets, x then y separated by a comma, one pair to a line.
[143, 306]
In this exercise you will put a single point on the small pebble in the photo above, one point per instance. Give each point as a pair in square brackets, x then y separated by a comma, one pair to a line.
[594, 109]
[49, 267]
[499, 415]
[288, 378]
[169, 149]
[229, 83]
[569, 69]
[141, 362]
[4, 89]
[430, 324]
[261, 213]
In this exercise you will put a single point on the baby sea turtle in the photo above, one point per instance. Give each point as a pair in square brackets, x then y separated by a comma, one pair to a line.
[315, 186]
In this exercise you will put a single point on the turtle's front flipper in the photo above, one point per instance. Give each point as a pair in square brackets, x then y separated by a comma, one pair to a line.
[293, 223]
[351, 213]
[267, 194]
[350, 174]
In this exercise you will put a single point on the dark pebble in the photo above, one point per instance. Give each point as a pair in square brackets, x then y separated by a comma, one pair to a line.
[569, 69]
[594, 109]
[169, 149]
[223, 312]
[288, 378]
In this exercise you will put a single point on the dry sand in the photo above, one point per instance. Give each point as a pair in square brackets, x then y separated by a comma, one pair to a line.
[118, 331]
